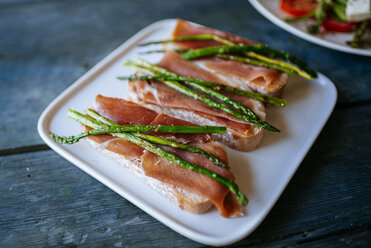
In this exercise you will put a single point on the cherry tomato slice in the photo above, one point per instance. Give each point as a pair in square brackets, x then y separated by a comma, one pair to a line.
[298, 8]
[331, 24]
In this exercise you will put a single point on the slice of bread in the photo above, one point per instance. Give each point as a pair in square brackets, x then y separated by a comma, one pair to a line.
[185, 199]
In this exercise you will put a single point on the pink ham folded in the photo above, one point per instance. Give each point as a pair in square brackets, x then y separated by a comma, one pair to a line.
[263, 80]
[125, 112]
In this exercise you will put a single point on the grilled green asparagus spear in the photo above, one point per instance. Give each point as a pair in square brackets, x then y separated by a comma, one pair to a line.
[215, 86]
[175, 77]
[189, 38]
[241, 198]
[114, 128]
[214, 104]
[133, 128]
[167, 142]
[158, 129]
[255, 62]
[221, 97]
[302, 69]
[159, 140]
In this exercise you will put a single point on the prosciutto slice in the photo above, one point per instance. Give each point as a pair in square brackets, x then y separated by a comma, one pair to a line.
[264, 80]
[125, 112]
[184, 28]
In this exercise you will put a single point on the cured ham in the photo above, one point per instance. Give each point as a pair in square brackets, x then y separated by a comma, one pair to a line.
[263, 80]
[125, 112]
[184, 28]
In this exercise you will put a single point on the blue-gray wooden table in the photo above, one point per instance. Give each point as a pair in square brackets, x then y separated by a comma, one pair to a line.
[47, 201]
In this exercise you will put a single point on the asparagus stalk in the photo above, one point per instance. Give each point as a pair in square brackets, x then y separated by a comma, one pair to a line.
[219, 96]
[169, 156]
[93, 114]
[214, 104]
[112, 127]
[215, 86]
[223, 98]
[167, 142]
[189, 38]
[168, 75]
[161, 141]
[76, 138]
[148, 128]
[302, 69]
[255, 62]
[241, 198]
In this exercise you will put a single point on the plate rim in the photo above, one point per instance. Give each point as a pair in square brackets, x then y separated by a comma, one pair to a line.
[308, 37]
[48, 114]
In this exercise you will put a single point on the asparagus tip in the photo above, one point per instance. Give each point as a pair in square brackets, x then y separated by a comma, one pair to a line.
[60, 139]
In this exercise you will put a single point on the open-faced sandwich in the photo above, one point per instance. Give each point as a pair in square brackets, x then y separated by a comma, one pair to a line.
[175, 157]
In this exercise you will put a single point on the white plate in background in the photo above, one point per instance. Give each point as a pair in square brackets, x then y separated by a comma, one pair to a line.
[337, 41]
[262, 174]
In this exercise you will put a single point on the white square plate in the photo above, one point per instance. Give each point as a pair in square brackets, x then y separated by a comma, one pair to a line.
[262, 174]
[333, 40]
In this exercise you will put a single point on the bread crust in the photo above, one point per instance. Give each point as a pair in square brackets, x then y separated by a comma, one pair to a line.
[185, 199]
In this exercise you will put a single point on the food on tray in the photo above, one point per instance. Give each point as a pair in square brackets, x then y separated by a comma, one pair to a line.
[189, 169]
[335, 16]
[208, 86]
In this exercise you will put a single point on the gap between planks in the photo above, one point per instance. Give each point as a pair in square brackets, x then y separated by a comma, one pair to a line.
[335, 233]
[303, 234]
[24, 149]
[352, 104]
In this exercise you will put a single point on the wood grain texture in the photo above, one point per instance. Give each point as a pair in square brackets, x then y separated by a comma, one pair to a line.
[46, 201]
[46, 45]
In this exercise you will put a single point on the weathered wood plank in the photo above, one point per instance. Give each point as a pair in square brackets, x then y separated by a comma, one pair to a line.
[47, 45]
[46, 201]
[328, 198]
[359, 237]
[327, 192]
